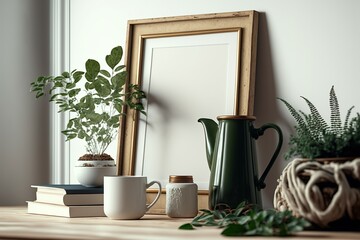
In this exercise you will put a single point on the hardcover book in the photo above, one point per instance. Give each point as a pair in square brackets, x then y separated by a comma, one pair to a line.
[69, 189]
[69, 195]
[35, 207]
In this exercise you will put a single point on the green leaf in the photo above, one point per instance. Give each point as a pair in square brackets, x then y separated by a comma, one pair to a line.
[89, 86]
[234, 230]
[119, 68]
[53, 97]
[206, 211]
[119, 80]
[77, 76]
[250, 222]
[103, 80]
[115, 56]
[70, 85]
[59, 84]
[39, 94]
[81, 134]
[102, 89]
[59, 78]
[94, 117]
[114, 120]
[105, 73]
[65, 74]
[70, 124]
[186, 226]
[118, 107]
[74, 92]
[205, 217]
[92, 69]
[219, 214]
[138, 106]
[243, 219]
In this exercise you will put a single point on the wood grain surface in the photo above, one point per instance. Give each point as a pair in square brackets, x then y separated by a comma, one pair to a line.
[16, 223]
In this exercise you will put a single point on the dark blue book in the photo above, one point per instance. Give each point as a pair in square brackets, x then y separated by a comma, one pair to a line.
[69, 188]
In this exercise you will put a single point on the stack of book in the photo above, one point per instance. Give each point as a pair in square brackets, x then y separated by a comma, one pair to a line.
[70, 200]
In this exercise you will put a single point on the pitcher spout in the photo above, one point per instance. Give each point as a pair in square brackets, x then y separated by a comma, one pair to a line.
[210, 129]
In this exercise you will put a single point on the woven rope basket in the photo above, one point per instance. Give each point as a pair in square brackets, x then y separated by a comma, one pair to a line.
[321, 192]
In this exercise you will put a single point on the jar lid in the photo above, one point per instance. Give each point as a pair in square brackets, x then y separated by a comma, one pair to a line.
[180, 179]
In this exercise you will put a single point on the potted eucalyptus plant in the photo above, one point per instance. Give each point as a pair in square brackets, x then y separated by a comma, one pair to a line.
[95, 99]
[322, 181]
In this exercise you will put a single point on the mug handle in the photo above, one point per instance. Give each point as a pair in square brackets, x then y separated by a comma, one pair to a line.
[256, 133]
[157, 196]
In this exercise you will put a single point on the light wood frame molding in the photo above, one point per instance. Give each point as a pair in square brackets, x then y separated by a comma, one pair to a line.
[245, 22]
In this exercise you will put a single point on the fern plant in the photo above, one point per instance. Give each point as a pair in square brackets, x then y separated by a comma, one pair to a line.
[315, 138]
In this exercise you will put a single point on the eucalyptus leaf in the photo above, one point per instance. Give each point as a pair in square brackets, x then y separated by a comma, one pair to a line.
[70, 124]
[115, 56]
[102, 90]
[89, 86]
[70, 85]
[53, 97]
[81, 134]
[94, 117]
[74, 92]
[118, 107]
[66, 74]
[248, 220]
[77, 76]
[119, 80]
[59, 78]
[92, 69]
[119, 68]
[234, 230]
[103, 81]
[105, 73]
[113, 120]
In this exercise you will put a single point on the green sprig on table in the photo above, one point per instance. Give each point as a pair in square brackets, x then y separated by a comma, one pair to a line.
[248, 220]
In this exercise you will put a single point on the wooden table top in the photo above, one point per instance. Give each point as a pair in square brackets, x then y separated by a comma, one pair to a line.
[16, 223]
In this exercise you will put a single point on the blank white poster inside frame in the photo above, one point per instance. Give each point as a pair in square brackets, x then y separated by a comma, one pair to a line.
[185, 78]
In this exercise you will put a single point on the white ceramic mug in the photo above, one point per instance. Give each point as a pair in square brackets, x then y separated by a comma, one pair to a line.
[125, 196]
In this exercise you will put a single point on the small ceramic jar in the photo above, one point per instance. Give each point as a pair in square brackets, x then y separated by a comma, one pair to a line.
[181, 197]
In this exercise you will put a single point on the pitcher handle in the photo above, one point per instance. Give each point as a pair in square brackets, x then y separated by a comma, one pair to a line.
[256, 133]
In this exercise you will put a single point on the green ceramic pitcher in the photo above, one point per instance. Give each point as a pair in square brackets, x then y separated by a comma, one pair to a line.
[230, 151]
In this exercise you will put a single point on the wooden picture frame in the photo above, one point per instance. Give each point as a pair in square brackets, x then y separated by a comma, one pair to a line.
[217, 30]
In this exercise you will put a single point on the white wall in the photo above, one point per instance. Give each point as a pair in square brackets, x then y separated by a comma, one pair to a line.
[304, 47]
[24, 55]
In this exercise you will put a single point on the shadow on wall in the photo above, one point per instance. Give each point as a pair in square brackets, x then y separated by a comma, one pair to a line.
[24, 149]
[266, 110]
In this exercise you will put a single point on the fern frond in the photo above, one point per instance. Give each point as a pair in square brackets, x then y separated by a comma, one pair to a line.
[304, 129]
[335, 120]
[300, 121]
[318, 120]
[312, 130]
[346, 123]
